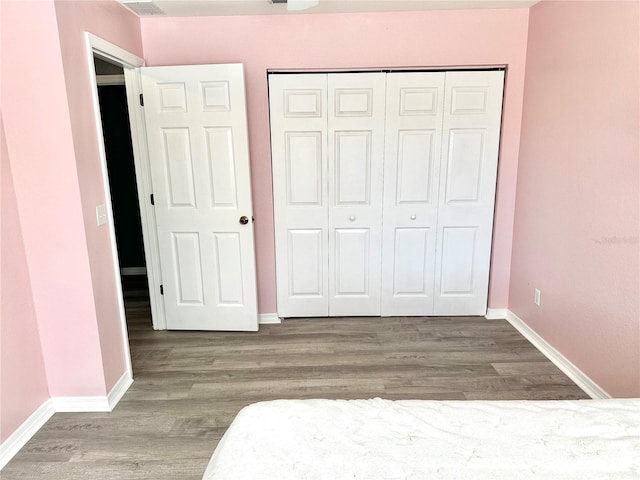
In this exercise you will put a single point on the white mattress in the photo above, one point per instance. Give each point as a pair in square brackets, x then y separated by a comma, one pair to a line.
[416, 439]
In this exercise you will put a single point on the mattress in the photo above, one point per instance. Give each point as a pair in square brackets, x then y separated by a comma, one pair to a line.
[417, 439]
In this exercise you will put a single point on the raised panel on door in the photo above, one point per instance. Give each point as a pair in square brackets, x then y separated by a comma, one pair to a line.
[187, 268]
[464, 166]
[356, 111]
[228, 267]
[178, 166]
[413, 262]
[352, 167]
[413, 136]
[458, 250]
[199, 158]
[298, 111]
[471, 134]
[222, 173]
[306, 268]
[304, 168]
[351, 257]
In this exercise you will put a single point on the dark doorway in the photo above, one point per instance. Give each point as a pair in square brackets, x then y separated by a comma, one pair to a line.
[116, 131]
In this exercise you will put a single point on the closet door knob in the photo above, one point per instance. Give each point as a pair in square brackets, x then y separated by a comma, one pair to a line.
[412, 217]
[352, 218]
[244, 220]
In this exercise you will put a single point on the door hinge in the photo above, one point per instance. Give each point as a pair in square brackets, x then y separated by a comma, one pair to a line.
[153, 201]
[161, 290]
[141, 100]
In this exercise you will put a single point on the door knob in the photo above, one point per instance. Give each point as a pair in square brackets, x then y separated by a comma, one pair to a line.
[412, 217]
[244, 220]
[352, 218]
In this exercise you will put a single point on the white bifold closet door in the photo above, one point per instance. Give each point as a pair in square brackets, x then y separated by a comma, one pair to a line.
[411, 182]
[298, 108]
[468, 170]
[442, 134]
[384, 189]
[327, 140]
[356, 152]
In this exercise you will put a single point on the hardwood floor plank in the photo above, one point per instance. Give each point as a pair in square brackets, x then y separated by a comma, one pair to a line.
[526, 368]
[190, 385]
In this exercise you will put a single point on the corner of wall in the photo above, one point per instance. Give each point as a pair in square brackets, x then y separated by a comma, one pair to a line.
[576, 222]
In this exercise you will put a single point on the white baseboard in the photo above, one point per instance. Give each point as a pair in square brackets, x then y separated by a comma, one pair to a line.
[266, 318]
[80, 404]
[133, 271]
[589, 387]
[118, 390]
[496, 314]
[25, 432]
[94, 404]
[36, 421]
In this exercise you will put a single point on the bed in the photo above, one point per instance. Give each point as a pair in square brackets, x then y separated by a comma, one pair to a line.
[417, 439]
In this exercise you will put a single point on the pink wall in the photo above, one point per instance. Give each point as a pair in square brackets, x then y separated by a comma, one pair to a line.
[577, 216]
[410, 39]
[40, 148]
[116, 24]
[61, 333]
[23, 384]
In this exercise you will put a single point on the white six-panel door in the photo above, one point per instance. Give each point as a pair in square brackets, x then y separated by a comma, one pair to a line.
[413, 130]
[384, 190]
[471, 136]
[197, 140]
[356, 151]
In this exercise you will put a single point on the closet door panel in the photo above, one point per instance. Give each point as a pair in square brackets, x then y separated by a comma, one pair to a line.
[412, 264]
[352, 261]
[352, 166]
[473, 108]
[355, 158]
[306, 271]
[304, 165]
[413, 140]
[298, 107]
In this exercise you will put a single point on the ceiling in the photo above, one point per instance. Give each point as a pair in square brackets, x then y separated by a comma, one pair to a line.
[189, 8]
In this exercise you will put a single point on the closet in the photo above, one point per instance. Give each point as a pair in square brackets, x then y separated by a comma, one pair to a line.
[384, 187]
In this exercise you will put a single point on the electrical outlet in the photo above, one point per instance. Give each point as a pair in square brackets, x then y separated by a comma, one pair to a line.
[536, 297]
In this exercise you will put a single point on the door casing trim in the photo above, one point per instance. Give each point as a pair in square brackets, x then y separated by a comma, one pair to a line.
[130, 64]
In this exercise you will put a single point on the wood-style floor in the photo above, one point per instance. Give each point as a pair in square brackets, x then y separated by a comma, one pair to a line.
[189, 385]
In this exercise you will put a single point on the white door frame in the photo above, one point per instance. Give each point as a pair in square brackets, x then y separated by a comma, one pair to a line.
[130, 64]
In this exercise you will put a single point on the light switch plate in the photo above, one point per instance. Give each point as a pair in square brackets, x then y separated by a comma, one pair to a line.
[101, 214]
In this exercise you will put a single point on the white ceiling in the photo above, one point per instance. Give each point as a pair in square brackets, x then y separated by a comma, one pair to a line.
[188, 8]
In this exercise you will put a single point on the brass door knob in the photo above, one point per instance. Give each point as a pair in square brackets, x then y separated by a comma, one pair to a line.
[244, 220]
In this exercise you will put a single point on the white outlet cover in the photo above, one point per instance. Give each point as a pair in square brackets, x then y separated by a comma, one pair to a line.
[101, 214]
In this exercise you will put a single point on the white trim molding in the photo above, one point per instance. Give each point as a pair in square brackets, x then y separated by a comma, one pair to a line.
[110, 51]
[496, 314]
[133, 89]
[25, 432]
[106, 403]
[589, 387]
[80, 404]
[96, 46]
[267, 318]
[118, 390]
